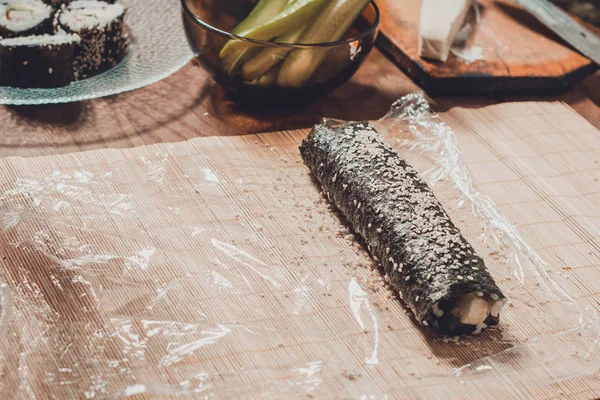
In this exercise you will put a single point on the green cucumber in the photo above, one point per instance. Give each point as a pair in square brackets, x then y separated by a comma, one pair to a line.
[234, 62]
[262, 12]
[332, 25]
[268, 58]
[297, 14]
[268, 79]
[265, 80]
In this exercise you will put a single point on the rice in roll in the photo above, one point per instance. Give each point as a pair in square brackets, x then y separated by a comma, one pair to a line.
[424, 255]
[25, 18]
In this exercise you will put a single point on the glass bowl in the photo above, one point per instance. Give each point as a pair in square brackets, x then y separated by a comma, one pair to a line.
[208, 24]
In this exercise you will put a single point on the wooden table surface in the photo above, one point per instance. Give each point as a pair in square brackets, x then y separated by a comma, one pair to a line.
[189, 104]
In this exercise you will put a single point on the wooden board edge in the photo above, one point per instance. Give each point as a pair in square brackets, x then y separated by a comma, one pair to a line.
[479, 83]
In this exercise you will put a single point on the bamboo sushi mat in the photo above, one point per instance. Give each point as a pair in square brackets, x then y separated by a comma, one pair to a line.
[213, 268]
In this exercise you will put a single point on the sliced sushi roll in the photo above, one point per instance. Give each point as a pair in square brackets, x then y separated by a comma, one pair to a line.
[100, 26]
[25, 18]
[424, 255]
[44, 61]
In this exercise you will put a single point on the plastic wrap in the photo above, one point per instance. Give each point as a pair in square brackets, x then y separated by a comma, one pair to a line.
[429, 143]
[115, 282]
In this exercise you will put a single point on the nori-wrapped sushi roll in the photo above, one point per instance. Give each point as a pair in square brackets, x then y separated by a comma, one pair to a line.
[25, 18]
[37, 61]
[103, 40]
[424, 256]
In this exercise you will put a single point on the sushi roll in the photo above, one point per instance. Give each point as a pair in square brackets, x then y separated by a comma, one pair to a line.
[43, 61]
[25, 18]
[103, 40]
[423, 254]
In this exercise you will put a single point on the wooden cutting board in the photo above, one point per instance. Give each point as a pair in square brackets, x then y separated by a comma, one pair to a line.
[213, 267]
[519, 53]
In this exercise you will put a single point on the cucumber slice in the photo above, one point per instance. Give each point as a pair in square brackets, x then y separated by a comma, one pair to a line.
[268, 79]
[297, 14]
[262, 12]
[332, 25]
[268, 58]
[265, 80]
[234, 62]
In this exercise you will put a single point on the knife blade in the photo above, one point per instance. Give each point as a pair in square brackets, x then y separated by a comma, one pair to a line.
[561, 23]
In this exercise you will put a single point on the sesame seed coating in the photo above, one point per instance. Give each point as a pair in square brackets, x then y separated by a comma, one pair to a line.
[399, 219]
[104, 42]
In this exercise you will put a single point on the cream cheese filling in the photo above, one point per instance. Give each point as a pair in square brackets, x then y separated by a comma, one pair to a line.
[473, 309]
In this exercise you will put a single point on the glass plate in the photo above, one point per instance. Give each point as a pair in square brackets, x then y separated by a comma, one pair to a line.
[158, 49]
